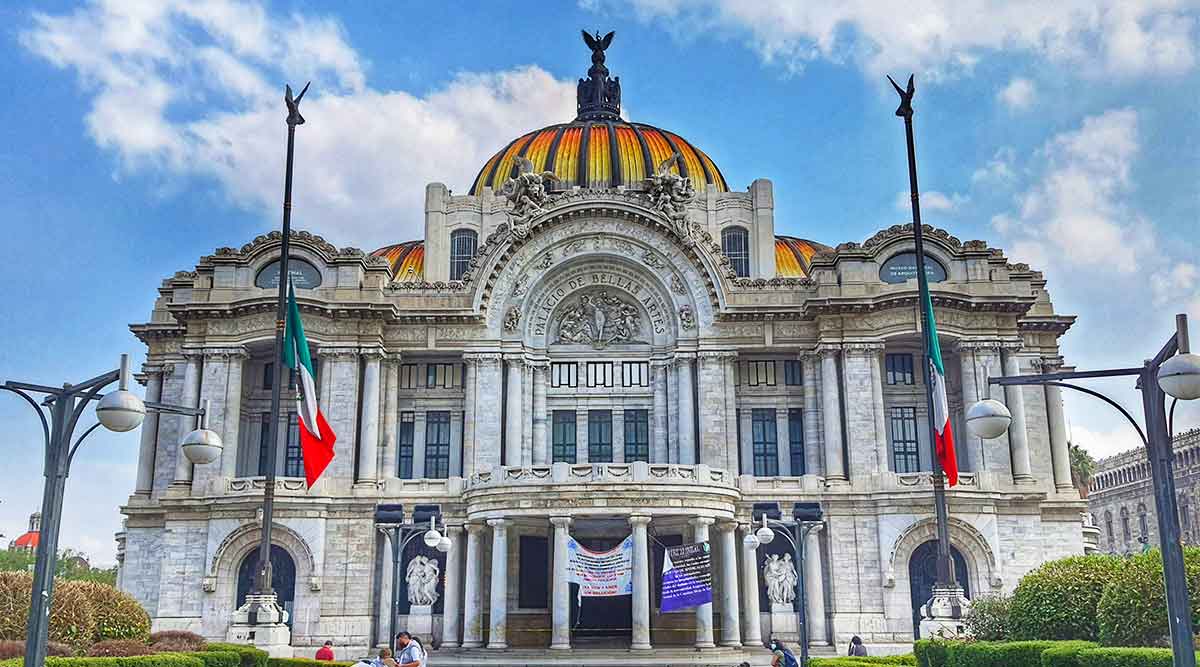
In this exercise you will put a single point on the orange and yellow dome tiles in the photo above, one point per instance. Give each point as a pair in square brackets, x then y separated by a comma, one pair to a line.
[599, 154]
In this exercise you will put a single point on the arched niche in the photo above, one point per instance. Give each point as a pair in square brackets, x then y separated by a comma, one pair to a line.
[982, 568]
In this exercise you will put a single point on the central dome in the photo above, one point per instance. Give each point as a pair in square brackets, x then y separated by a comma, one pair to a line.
[598, 149]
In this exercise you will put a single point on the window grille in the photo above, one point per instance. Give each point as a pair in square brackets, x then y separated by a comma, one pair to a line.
[437, 444]
[899, 368]
[463, 243]
[735, 244]
[765, 441]
[637, 436]
[905, 446]
[563, 436]
[600, 436]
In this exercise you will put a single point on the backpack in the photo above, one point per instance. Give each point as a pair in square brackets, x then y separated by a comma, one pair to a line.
[789, 659]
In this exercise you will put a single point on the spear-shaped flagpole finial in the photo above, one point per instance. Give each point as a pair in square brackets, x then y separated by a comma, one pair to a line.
[294, 118]
[905, 109]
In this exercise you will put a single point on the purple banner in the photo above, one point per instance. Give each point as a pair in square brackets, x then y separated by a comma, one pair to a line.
[686, 577]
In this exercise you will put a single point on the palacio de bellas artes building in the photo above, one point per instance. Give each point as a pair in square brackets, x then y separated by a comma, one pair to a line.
[600, 338]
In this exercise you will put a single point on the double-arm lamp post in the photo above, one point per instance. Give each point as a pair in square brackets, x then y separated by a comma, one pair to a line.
[389, 520]
[805, 518]
[118, 411]
[1174, 372]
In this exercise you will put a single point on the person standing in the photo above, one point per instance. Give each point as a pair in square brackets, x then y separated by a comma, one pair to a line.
[857, 649]
[326, 652]
[412, 654]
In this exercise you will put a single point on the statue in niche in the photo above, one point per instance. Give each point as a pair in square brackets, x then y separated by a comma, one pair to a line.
[422, 579]
[670, 194]
[526, 193]
[599, 320]
[780, 575]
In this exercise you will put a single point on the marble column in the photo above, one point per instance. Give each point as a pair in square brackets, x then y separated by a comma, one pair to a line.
[498, 632]
[512, 414]
[752, 621]
[1060, 454]
[230, 432]
[783, 443]
[526, 414]
[368, 443]
[658, 415]
[704, 615]
[831, 414]
[418, 462]
[881, 441]
[191, 396]
[687, 415]
[641, 583]
[979, 361]
[731, 622]
[812, 413]
[473, 590]
[149, 444]
[1018, 439]
[814, 581]
[560, 601]
[391, 413]
[452, 603]
[745, 446]
[468, 438]
[541, 425]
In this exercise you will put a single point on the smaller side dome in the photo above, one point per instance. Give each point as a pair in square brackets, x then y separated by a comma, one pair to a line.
[793, 256]
[406, 259]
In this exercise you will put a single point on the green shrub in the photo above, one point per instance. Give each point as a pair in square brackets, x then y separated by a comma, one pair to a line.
[1133, 609]
[118, 615]
[1065, 654]
[304, 662]
[71, 619]
[118, 648]
[988, 618]
[1058, 600]
[931, 652]
[16, 649]
[1126, 657]
[156, 660]
[869, 661]
[250, 656]
[996, 654]
[177, 641]
[218, 658]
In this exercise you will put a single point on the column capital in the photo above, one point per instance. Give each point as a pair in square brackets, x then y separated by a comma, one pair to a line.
[192, 353]
[639, 520]
[227, 352]
[701, 521]
[826, 350]
[344, 352]
[863, 348]
[717, 354]
[560, 521]
[475, 528]
[499, 524]
[727, 526]
[1049, 364]
[453, 529]
[815, 528]
[373, 353]
[538, 364]
[482, 358]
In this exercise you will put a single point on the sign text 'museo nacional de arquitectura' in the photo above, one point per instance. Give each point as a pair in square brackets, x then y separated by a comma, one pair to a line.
[600, 339]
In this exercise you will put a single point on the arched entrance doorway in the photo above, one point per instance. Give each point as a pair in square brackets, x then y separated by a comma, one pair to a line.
[922, 575]
[283, 579]
[600, 619]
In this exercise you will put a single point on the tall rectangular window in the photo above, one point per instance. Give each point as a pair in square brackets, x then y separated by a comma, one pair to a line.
[563, 436]
[405, 446]
[905, 446]
[264, 437]
[756, 373]
[796, 440]
[443, 375]
[766, 442]
[437, 444]
[637, 435]
[534, 591]
[562, 374]
[899, 368]
[293, 458]
[635, 373]
[268, 379]
[600, 436]
[409, 377]
[791, 373]
[599, 374]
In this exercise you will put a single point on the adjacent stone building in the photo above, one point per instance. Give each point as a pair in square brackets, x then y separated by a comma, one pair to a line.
[1121, 497]
[599, 338]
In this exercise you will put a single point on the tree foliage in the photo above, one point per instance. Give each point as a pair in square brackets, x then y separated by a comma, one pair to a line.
[988, 618]
[1058, 600]
[1133, 608]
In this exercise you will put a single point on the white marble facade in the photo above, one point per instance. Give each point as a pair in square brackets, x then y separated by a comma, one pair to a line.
[609, 372]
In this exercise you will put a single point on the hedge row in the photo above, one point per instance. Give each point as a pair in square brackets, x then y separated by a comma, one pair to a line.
[939, 653]
[304, 662]
[250, 656]
[869, 661]
[158, 660]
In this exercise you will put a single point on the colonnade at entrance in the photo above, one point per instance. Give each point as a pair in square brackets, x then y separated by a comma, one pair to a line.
[484, 614]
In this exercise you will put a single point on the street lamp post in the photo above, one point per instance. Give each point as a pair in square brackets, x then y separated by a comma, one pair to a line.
[389, 520]
[805, 518]
[1174, 372]
[117, 411]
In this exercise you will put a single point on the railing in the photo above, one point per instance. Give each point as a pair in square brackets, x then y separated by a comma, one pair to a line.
[584, 473]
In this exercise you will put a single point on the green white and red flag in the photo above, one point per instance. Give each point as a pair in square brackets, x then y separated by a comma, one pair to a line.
[316, 438]
[940, 410]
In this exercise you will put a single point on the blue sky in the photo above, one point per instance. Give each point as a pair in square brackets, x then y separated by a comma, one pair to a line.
[135, 139]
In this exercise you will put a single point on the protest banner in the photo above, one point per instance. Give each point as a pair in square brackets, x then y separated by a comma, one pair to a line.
[686, 576]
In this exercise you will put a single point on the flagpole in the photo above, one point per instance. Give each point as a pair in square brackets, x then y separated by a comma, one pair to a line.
[945, 566]
[262, 584]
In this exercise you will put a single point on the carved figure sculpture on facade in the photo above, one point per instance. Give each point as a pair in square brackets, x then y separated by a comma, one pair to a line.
[670, 194]
[526, 194]
[780, 575]
[512, 319]
[422, 580]
[599, 320]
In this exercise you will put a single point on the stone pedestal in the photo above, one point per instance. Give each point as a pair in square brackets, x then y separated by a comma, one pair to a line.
[943, 615]
[785, 626]
[420, 621]
[262, 623]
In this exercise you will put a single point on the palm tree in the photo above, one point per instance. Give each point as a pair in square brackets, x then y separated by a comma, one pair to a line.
[1082, 467]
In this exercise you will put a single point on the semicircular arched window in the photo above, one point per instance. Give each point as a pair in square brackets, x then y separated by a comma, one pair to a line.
[735, 244]
[463, 243]
[303, 274]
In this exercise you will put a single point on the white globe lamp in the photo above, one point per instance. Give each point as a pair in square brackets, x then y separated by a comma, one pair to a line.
[1179, 376]
[988, 418]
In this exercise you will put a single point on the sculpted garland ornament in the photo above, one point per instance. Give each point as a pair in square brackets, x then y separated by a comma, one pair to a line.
[599, 320]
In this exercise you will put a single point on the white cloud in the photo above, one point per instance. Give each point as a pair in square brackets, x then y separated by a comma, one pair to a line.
[1018, 95]
[998, 170]
[931, 200]
[195, 89]
[943, 37]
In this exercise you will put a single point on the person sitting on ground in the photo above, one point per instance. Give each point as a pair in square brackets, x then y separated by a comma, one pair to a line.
[782, 656]
[412, 654]
[856, 647]
[326, 652]
[385, 658]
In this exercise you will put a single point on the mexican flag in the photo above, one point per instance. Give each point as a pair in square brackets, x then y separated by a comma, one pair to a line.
[316, 438]
[943, 435]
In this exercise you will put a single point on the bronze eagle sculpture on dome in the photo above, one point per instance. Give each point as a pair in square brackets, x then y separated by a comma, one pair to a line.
[598, 44]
